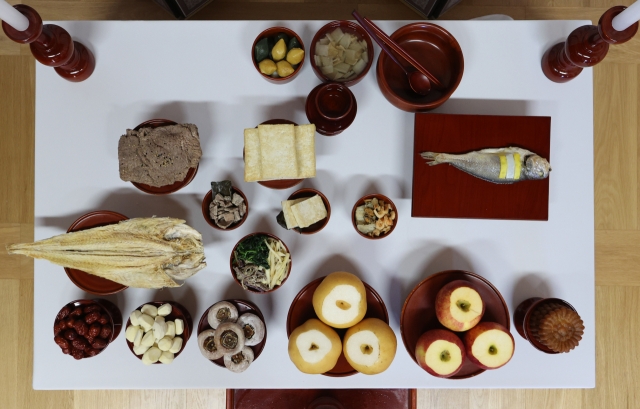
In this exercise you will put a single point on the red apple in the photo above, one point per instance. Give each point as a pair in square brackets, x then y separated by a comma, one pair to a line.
[459, 306]
[440, 352]
[489, 345]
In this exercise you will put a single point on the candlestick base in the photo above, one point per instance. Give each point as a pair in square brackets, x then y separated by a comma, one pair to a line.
[52, 46]
[585, 47]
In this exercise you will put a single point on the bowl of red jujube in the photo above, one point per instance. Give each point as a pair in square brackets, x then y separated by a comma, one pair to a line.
[84, 328]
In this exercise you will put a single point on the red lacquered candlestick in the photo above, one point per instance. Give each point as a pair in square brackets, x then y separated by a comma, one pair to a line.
[585, 47]
[52, 46]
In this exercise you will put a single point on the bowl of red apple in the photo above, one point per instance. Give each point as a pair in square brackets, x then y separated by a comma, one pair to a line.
[455, 324]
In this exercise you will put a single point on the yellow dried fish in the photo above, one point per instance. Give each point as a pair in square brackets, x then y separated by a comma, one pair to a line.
[149, 252]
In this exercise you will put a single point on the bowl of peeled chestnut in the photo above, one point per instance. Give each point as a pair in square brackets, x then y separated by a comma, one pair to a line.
[85, 328]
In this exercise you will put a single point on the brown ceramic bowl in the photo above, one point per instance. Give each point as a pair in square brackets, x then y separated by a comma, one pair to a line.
[113, 314]
[208, 198]
[522, 320]
[232, 263]
[419, 314]
[243, 307]
[437, 51]
[319, 225]
[282, 183]
[301, 310]
[174, 187]
[89, 282]
[271, 32]
[331, 107]
[177, 311]
[361, 202]
[346, 27]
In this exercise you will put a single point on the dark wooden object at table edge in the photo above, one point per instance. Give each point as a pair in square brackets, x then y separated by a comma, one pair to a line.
[321, 398]
[52, 46]
[585, 47]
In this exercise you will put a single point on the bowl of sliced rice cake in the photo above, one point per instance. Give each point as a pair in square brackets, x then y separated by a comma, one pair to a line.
[306, 211]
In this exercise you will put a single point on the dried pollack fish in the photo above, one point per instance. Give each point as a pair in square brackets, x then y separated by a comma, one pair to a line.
[151, 252]
[502, 166]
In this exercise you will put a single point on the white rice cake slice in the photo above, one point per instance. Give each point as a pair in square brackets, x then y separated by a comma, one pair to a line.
[278, 152]
[252, 171]
[289, 218]
[309, 211]
[306, 150]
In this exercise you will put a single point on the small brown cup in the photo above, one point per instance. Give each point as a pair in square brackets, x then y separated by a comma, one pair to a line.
[522, 319]
[178, 311]
[346, 27]
[232, 263]
[208, 198]
[361, 202]
[334, 101]
[319, 225]
[271, 32]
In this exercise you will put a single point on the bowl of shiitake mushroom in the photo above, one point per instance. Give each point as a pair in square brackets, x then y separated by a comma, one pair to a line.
[232, 334]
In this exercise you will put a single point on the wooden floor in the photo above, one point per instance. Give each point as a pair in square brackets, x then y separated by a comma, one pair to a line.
[617, 206]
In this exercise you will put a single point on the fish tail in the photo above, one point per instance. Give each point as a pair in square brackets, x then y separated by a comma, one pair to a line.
[434, 158]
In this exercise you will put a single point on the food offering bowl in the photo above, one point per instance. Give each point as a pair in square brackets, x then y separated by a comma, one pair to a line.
[361, 202]
[437, 51]
[346, 27]
[319, 225]
[233, 263]
[208, 199]
[269, 33]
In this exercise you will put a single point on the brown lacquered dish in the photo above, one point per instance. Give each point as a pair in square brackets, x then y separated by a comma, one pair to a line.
[301, 310]
[419, 313]
[76, 314]
[272, 32]
[361, 202]
[319, 225]
[178, 311]
[522, 319]
[346, 27]
[174, 187]
[437, 51]
[89, 282]
[282, 183]
[232, 263]
[243, 307]
[331, 108]
[206, 202]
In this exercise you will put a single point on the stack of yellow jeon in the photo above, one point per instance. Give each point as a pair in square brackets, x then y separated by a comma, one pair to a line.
[274, 152]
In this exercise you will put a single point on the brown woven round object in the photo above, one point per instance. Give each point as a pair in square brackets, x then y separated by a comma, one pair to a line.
[538, 314]
[561, 330]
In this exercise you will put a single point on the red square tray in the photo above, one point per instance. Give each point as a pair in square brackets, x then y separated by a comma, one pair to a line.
[444, 191]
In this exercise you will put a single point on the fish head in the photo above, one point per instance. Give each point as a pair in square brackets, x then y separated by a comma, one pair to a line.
[537, 167]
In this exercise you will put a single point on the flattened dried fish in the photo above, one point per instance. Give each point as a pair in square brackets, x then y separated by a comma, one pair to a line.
[145, 252]
[502, 166]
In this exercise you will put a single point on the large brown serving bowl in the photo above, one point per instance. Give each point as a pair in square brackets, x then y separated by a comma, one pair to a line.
[437, 51]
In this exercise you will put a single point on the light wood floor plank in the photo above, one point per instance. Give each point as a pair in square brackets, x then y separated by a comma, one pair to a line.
[9, 343]
[443, 398]
[618, 257]
[616, 146]
[14, 266]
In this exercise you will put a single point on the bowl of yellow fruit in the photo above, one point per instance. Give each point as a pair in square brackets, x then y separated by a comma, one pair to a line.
[278, 54]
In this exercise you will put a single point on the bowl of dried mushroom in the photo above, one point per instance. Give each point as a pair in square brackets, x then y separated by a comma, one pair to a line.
[225, 207]
[374, 216]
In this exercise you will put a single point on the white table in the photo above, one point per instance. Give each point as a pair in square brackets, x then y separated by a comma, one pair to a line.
[201, 72]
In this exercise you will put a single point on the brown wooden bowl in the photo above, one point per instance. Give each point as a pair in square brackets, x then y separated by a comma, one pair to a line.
[177, 311]
[174, 187]
[301, 310]
[522, 320]
[360, 202]
[282, 183]
[89, 282]
[243, 307]
[206, 202]
[232, 263]
[437, 51]
[346, 27]
[320, 102]
[271, 32]
[419, 314]
[107, 308]
[319, 225]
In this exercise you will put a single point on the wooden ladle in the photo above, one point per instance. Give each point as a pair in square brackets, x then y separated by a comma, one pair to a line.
[420, 80]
